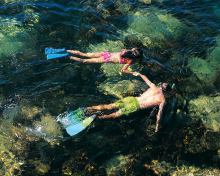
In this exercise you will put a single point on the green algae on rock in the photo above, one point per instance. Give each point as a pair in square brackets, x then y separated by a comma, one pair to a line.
[117, 84]
[203, 69]
[154, 27]
[213, 55]
[207, 69]
[206, 108]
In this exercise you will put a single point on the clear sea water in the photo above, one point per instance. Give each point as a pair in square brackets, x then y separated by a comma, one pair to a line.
[181, 43]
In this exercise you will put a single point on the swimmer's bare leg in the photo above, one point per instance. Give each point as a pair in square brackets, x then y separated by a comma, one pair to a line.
[76, 59]
[113, 115]
[102, 107]
[91, 55]
[93, 60]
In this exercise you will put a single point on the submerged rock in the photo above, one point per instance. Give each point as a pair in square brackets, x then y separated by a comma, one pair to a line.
[213, 56]
[117, 84]
[206, 108]
[14, 37]
[154, 27]
[203, 69]
[207, 70]
[116, 163]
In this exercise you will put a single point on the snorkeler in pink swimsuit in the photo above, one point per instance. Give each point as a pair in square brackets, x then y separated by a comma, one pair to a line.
[124, 57]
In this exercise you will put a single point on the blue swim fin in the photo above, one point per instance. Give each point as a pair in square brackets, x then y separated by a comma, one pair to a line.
[56, 56]
[78, 127]
[75, 121]
[69, 118]
[54, 51]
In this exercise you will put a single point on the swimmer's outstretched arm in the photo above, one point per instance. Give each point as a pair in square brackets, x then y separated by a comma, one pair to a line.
[124, 69]
[159, 115]
[149, 83]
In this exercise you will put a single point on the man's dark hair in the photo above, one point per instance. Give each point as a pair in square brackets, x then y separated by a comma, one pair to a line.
[166, 87]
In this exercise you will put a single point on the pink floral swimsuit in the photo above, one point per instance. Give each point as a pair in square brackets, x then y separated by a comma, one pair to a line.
[107, 55]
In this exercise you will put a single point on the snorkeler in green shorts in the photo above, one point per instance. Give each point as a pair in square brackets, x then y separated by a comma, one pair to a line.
[154, 96]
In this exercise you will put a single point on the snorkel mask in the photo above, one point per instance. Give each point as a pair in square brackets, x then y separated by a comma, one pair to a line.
[134, 53]
[161, 85]
[163, 88]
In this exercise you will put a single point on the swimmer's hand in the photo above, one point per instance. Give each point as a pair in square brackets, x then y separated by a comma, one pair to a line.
[136, 74]
[156, 130]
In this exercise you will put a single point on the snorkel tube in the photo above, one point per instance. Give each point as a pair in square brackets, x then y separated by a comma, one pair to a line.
[173, 85]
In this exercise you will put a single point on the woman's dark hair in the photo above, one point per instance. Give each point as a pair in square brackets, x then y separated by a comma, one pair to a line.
[135, 54]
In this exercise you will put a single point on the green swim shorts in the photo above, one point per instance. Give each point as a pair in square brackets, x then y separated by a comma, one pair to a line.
[127, 105]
